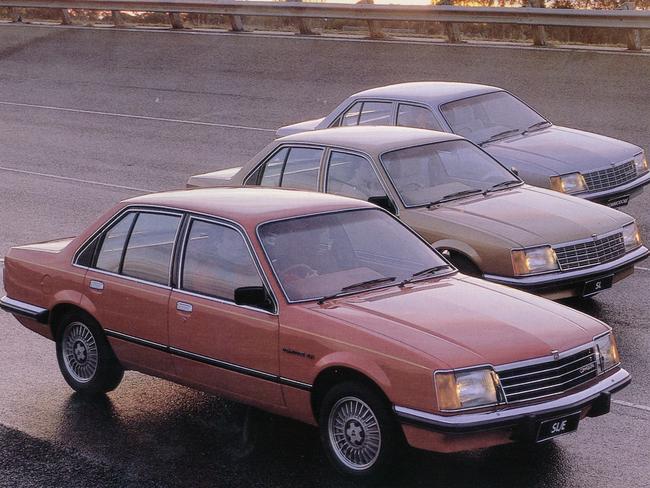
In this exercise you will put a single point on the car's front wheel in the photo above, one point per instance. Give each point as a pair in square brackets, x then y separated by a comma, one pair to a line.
[85, 357]
[359, 432]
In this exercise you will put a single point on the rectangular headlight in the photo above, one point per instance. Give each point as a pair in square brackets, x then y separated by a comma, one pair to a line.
[606, 352]
[534, 260]
[641, 163]
[631, 236]
[466, 389]
[570, 183]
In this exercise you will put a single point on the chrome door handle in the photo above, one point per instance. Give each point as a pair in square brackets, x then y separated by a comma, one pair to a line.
[96, 285]
[184, 307]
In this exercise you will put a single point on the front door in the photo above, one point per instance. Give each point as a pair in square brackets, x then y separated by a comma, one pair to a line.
[216, 344]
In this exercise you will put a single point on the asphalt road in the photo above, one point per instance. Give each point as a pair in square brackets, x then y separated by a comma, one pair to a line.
[89, 117]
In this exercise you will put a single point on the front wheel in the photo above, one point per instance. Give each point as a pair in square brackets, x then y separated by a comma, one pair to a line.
[85, 357]
[359, 432]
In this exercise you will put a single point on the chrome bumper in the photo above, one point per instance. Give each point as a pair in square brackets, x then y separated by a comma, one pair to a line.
[569, 277]
[17, 307]
[512, 417]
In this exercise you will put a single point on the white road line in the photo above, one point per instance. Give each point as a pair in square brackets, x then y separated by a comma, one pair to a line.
[138, 117]
[76, 180]
[642, 268]
[631, 405]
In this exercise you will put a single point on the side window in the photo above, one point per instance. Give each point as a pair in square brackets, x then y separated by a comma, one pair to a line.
[376, 113]
[149, 251]
[351, 117]
[272, 170]
[352, 176]
[110, 253]
[301, 168]
[217, 261]
[414, 116]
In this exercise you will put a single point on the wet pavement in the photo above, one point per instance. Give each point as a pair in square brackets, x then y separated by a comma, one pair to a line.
[150, 432]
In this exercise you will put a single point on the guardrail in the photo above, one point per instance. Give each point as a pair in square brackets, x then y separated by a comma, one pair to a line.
[630, 20]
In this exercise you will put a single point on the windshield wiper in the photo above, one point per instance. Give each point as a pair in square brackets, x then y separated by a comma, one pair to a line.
[457, 194]
[503, 184]
[356, 285]
[537, 126]
[423, 272]
[499, 135]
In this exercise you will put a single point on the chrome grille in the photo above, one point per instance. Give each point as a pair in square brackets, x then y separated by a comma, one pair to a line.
[549, 377]
[610, 177]
[590, 253]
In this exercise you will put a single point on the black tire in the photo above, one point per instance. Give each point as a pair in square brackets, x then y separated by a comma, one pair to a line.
[363, 461]
[85, 357]
[465, 265]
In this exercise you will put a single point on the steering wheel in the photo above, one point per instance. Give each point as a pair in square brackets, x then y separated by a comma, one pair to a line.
[299, 271]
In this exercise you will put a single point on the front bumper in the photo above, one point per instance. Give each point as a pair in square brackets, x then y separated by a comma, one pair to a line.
[519, 419]
[612, 194]
[564, 284]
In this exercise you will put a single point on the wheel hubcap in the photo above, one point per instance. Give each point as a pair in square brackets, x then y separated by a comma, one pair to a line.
[354, 433]
[80, 353]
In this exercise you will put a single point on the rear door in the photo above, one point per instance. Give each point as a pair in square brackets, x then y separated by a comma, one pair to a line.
[128, 285]
[215, 343]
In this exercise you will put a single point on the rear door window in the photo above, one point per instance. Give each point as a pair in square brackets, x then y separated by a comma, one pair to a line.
[415, 116]
[110, 253]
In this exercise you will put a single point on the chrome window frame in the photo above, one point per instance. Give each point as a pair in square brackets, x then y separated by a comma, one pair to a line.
[181, 260]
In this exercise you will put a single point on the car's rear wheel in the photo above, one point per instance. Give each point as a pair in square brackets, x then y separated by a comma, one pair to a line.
[359, 432]
[85, 357]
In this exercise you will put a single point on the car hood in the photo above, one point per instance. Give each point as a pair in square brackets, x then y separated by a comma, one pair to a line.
[465, 321]
[527, 216]
[305, 126]
[562, 150]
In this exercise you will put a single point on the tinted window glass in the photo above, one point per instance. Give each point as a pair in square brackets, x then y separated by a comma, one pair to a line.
[217, 261]
[110, 253]
[375, 113]
[318, 255]
[302, 168]
[352, 176]
[414, 116]
[351, 117]
[486, 116]
[273, 169]
[149, 251]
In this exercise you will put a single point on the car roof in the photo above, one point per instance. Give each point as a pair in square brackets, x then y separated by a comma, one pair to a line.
[371, 139]
[249, 205]
[432, 93]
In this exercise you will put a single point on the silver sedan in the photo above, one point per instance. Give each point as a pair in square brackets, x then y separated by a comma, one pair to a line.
[572, 161]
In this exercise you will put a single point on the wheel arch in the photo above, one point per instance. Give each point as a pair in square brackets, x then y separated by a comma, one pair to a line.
[60, 310]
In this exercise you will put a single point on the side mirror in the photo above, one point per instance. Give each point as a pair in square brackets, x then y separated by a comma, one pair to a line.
[384, 202]
[515, 171]
[253, 296]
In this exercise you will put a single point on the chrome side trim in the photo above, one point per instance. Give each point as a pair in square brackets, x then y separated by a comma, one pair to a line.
[510, 416]
[550, 278]
[25, 309]
[209, 360]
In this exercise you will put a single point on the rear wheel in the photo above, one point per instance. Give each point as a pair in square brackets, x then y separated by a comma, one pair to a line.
[359, 432]
[85, 357]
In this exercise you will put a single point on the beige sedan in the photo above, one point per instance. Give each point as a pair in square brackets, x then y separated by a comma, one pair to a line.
[466, 204]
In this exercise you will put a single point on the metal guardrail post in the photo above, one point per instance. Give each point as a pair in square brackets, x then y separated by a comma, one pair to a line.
[118, 20]
[373, 26]
[303, 25]
[236, 23]
[175, 20]
[539, 32]
[15, 15]
[65, 17]
[452, 30]
[633, 36]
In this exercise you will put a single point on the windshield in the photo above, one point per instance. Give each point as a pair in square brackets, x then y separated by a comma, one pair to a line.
[483, 117]
[445, 170]
[321, 255]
